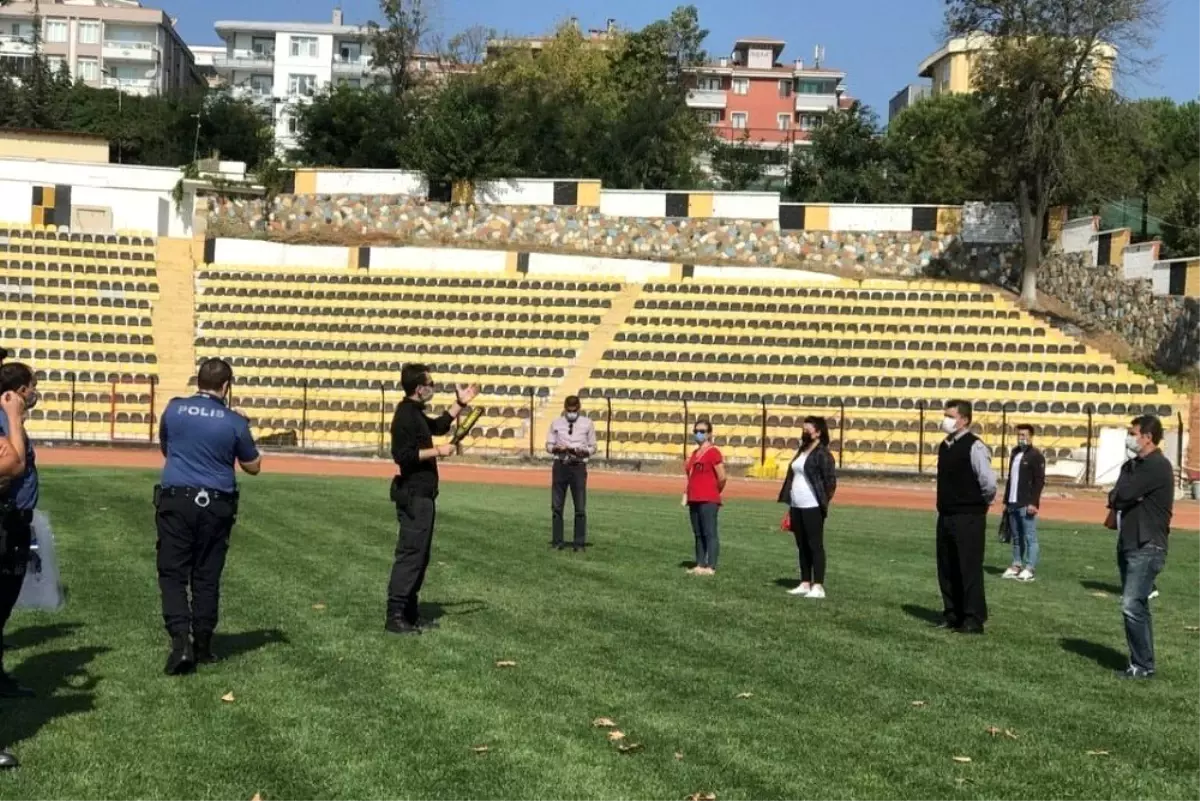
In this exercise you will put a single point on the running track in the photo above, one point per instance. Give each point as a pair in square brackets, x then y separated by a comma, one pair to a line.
[1071, 505]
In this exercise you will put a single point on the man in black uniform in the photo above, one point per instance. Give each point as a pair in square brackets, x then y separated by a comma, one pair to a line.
[196, 502]
[415, 490]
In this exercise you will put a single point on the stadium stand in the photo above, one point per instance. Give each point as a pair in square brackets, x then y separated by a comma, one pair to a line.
[78, 307]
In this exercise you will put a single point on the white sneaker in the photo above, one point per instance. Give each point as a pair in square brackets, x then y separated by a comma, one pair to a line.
[816, 592]
[1153, 594]
[1012, 572]
[1025, 575]
[801, 589]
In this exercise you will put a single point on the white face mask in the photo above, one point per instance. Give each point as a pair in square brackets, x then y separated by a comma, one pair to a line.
[1132, 445]
[949, 425]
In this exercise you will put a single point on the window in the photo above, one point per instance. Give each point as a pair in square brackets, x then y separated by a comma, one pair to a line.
[784, 121]
[292, 125]
[87, 69]
[809, 122]
[785, 87]
[56, 30]
[709, 116]
[739, 119]
[741, 86]
[422, 65]
[305, 85]
[711, 84]
[809, 86]
[89, 32]
[262, 85]
[353, 83]
[304, 46]
[263, 47]
[56, 63]
[350, 52]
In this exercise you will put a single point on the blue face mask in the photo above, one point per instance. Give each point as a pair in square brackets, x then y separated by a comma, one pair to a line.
[700, 436]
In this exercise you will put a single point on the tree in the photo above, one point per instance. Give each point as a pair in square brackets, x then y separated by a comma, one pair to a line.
[467, 47]
[845, 163]
[1165, 140]
[1178, 199]
[1039, 61]
[462, 136]
[350, 127]
[396, 43]
[935, 151]
[739, 164]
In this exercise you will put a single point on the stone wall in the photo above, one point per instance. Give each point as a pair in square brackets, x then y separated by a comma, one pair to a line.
[380, 219]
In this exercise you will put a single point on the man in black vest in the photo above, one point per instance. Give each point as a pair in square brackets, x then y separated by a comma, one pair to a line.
[966, 487]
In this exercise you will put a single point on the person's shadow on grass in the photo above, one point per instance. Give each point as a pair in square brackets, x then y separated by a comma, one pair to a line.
[434, 610]
[244, 642]
[32, 636]
[923, 613]
[1102, 655]
[63, 685]
[1101, 586]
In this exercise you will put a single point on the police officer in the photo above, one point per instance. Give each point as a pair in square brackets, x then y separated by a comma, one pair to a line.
[18, 498]
[196, 505]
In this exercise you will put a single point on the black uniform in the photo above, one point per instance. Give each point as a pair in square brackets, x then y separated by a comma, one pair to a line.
[195, 509]
[415, 493]
[18, 499]
[966, 487]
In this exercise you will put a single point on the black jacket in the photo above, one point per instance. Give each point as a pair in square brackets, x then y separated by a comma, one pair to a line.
[822, 477]
[412, 432]
[1030, 481]
[1145, 497]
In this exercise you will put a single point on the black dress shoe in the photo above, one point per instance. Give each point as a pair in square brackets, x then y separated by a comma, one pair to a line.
[8, 761]
[398, 625]
[946, 624]
[202, 650]
[9, 688]
[182, 658]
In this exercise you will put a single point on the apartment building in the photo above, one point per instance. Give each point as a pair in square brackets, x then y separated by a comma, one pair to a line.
[601, 38]
[117, 44]
[906, 97]
[206, 56]
[950, 67]
[284, 64]
[750, 94]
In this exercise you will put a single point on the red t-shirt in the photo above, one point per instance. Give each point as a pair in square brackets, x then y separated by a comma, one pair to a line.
[702, 476]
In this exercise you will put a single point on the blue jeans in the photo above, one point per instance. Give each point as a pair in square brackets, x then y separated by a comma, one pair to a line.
[1024, 536]
[704, 526]
[1138, 570]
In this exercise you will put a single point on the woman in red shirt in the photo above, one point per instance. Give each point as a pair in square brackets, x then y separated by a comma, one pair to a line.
[705, 479]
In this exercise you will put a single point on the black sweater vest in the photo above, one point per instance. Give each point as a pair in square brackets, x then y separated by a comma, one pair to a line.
[958, 489]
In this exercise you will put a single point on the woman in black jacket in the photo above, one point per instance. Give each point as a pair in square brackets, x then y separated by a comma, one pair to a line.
[808, 490]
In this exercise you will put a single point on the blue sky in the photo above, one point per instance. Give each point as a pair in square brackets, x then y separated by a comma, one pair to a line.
[878, 42]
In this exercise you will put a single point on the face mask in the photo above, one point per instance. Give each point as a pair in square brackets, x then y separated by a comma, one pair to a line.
[572, 416]
[949, 425]
[1132, 445]
[700, 436]
[806, 439]
[1022, 443]
[31, 400]
[425, 393]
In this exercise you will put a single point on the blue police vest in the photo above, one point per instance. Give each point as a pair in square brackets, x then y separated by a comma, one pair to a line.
[202, 439]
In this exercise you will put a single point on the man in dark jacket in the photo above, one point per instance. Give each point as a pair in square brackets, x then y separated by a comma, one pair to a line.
[1022, 497]
[1141, 502]
[966, 487]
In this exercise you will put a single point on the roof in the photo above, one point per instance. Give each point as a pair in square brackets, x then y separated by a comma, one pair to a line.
[759, 40]
[226, 27]
[47, 134]
[974, 42]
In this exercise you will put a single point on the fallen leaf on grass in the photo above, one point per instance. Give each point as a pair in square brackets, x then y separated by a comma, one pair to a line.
[505, 663]
[318, 607]
[961, 759]
[960, 781]
[629, 748]
[256, 797]
[1191, 628]
[1089, 567]
[227, 697]
[480, 749]
[992, 730]
[919, 703]
[615, 735]
[604, 723]
[744, 695]
[702, 797]
[1010, 734]
[1097, 753]
[678, 755]
[1100, 595]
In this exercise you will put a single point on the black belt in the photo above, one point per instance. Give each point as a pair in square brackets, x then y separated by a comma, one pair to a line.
[201, 496]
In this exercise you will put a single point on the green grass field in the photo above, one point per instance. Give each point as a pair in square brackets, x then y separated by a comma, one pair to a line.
[329, 706]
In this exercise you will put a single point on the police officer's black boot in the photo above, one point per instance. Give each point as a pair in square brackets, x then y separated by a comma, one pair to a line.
[202, 644]
[7, 760]
[182, 658]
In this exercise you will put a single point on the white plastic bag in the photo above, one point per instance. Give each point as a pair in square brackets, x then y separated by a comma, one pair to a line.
[41, 589]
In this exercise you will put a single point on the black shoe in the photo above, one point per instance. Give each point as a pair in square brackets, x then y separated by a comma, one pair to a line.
[202, 646]
[8, 761]
[397, 625]
[947, 625]
[577, 548]
[182, 658]
[1132, 672]
[424, 624]
[9, 688]
[969, 629]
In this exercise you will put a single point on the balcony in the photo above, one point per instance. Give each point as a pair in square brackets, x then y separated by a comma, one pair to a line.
[806, 102]
[132, 86]
[706, 98]
[245, 60]
[16, 46]
[353, 66]
[115, 50]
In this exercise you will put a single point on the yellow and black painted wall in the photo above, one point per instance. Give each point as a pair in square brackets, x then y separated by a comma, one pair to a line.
[51, 205]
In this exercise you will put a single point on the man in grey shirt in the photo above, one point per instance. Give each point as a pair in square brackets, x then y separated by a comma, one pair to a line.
[572, 441]
[966, 487]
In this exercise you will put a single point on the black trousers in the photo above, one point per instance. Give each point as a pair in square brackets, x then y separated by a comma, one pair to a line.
[808, 527]
[566, 476]
[192, 545]
[960, 545]
[15, 538]
[413, 546]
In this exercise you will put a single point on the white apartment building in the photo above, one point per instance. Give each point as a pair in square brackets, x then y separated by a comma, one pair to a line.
[114, 44]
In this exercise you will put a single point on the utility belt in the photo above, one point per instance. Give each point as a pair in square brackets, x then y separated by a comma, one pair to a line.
[571, 461]
[220, 502]
[403, 491]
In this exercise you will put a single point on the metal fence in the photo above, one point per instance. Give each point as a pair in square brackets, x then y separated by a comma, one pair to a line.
[311, 415]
